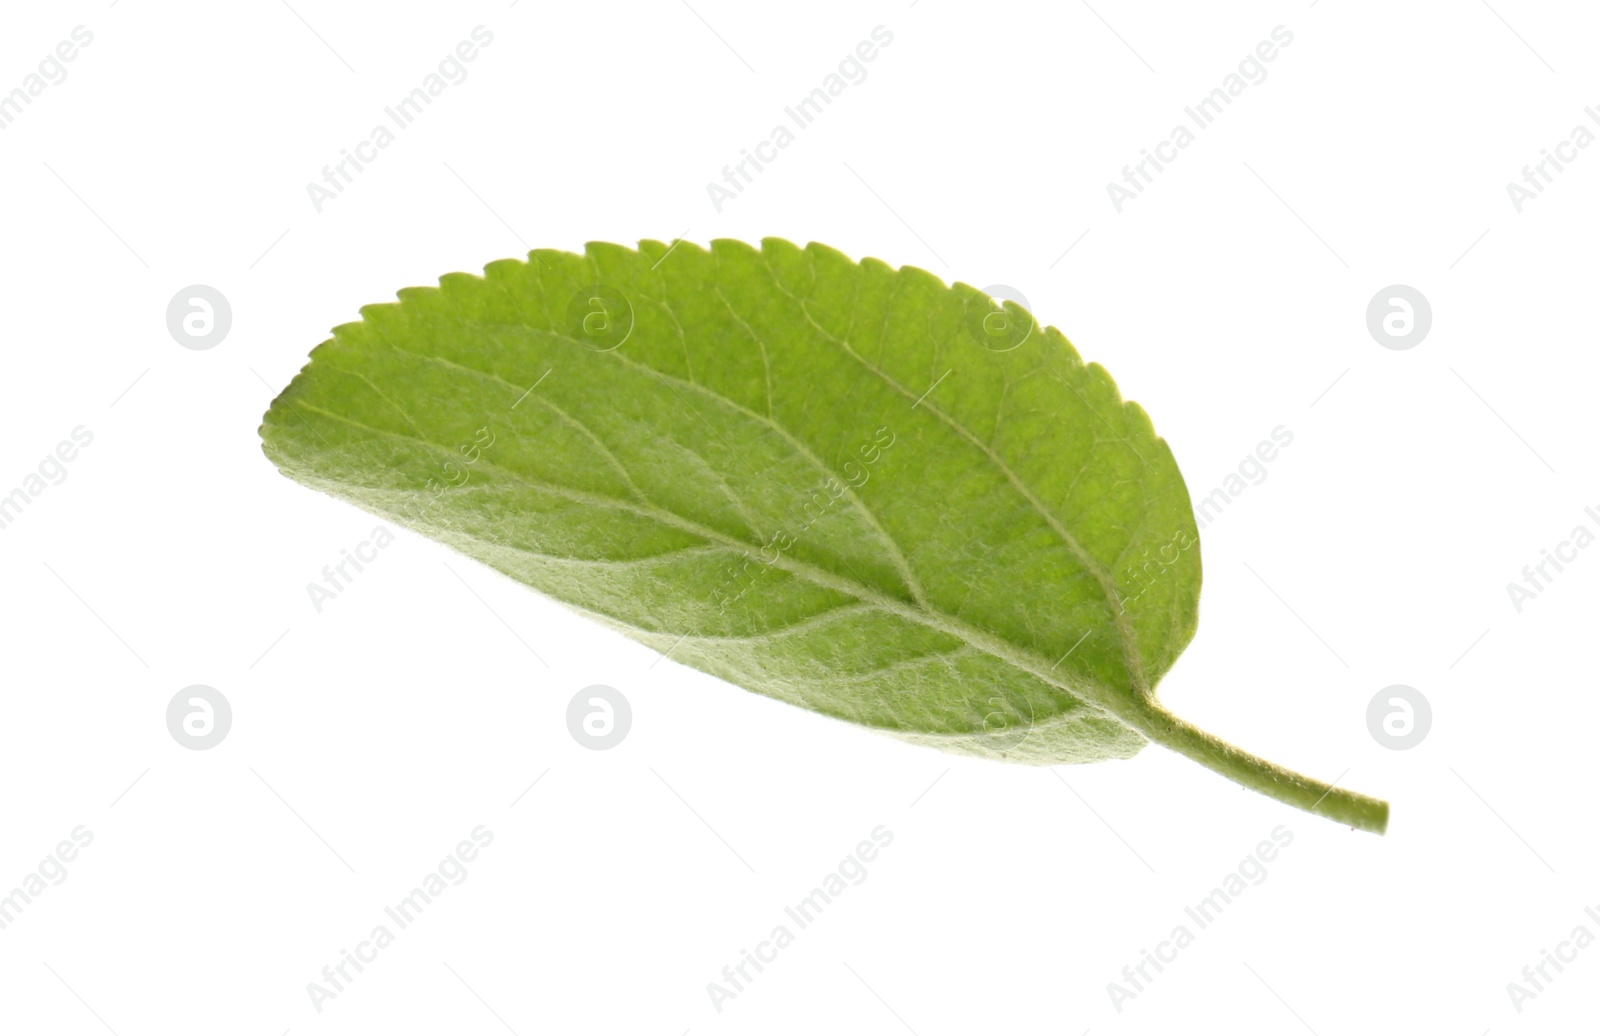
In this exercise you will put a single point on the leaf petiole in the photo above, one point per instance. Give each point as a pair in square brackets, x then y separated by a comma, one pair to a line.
[1362, 812]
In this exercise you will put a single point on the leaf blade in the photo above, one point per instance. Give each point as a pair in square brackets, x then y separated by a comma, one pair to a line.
[829, 434]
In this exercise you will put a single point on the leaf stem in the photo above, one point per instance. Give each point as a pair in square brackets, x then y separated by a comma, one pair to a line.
[1328, 800]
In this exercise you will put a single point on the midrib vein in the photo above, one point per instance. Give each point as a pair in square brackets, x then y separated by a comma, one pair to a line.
[931, 618]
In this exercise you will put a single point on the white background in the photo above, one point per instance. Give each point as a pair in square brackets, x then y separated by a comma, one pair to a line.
[371, 738]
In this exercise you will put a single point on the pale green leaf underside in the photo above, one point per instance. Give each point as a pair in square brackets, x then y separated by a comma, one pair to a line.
[1020, 558]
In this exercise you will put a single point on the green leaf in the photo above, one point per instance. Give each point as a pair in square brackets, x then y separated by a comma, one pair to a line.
[845, 486]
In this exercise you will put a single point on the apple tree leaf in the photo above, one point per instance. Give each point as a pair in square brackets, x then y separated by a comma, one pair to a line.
[846, 486]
